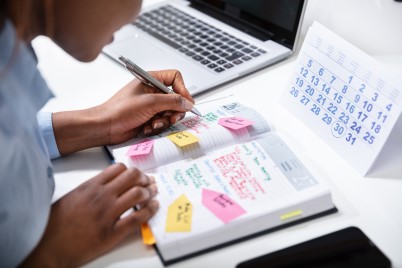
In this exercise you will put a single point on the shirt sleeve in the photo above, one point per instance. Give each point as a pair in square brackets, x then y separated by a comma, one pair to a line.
[46, 128]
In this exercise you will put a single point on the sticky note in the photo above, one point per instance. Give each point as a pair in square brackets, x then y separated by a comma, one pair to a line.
[225, 208]
[291, 214]
[147, 236]
[183, 138]
[141, 148]
[235, 122]
[180, 214]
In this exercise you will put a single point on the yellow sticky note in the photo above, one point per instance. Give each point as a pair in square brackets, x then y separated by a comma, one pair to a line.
[183, 138]
[180, 214]
[147, 236]
[291, 214]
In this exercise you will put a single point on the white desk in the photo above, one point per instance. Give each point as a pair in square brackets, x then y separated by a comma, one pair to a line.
[372, 203]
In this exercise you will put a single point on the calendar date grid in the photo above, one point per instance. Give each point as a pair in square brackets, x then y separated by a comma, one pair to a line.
[339, 127]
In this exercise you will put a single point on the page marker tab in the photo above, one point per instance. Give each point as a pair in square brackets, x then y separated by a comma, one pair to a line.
[291, 214]
[225, 208]
[147, 236]
[183, 138]
[141, 148]
[180, 214]
[235, 122]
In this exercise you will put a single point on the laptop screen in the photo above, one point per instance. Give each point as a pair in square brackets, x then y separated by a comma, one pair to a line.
[264, 19]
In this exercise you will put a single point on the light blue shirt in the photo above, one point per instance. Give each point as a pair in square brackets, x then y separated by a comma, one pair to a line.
[26, 175]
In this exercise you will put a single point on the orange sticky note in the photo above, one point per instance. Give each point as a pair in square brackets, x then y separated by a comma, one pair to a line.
[147, 236]
[183, 138]
[180, 214]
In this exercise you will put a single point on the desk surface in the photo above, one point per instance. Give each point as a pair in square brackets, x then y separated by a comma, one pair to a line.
[372, 203]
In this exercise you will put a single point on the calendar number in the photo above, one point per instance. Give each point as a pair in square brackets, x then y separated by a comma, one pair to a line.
[294, 92]
[310, 90]
[369, 138]
[327, 119]
[338, 129]
[332, 108]
[304, 72]
[316, 110]
[304, 100]
[357, 128]
[350, 138]
[344, 118]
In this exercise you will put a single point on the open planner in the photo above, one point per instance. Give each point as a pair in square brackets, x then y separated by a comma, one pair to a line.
[222, 178]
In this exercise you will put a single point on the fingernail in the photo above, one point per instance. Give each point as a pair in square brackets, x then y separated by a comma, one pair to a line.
[157, 125]
[147, 130]
[154, 189]
[188, 105]
[168, 113]
[151, 179]
[154, 204]
[178, 118]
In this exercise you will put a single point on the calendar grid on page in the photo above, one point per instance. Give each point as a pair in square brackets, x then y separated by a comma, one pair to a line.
[344, 94]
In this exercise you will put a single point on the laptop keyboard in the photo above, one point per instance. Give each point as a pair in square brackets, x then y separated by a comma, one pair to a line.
[203, 43]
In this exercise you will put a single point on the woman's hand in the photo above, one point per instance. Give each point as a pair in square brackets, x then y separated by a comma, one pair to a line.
[86, 222]
[139, 108]
[135, 108]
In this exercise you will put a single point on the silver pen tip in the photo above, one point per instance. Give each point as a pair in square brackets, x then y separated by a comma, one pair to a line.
[195, 111]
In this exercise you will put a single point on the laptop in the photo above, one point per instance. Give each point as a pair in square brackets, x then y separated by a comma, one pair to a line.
[210, 42]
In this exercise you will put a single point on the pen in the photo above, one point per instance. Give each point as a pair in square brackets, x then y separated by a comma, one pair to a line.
[149, 80]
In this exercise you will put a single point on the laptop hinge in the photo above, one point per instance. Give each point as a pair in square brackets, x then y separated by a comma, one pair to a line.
[250, 29]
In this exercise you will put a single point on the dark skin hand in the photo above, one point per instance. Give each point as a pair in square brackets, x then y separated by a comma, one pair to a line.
[134, 109]
[89, 217]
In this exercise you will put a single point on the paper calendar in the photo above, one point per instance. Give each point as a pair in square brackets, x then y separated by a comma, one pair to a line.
[348, 98]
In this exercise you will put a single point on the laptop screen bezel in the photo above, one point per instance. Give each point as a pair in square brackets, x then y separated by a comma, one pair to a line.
[264, 29]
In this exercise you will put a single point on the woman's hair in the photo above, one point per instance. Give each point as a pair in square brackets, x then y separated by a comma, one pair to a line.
[25, 14]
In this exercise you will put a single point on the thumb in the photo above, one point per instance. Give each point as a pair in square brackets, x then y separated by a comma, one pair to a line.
[169, 102]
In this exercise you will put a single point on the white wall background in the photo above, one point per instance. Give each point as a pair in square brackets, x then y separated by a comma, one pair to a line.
[375, 26]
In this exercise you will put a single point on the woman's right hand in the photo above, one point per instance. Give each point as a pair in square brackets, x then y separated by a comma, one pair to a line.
[86, 222]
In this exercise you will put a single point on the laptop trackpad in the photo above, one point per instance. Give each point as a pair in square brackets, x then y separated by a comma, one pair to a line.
[151, 57]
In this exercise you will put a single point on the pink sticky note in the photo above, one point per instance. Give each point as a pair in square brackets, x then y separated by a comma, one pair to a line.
[235, 122]
[221, 205]
[141, 148]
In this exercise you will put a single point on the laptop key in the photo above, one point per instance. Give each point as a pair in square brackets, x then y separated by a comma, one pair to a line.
[247, 50]
[164, 39]
[234, 56]
[246, 58]
[212, 65]
[213, 57]
[205, 62]
[255, 54]
[237, 62]
[198, 58]
[205, 53]
[190, 53]
[220, 62]
[261, 51]
[228, 65]
[219, 70]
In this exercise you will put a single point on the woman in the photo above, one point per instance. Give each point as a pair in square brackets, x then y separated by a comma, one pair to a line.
[86, 222]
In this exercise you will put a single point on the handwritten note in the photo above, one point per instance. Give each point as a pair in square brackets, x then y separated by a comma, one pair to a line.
[235, 122]
[141, 148]
[183, 138]
[221, 205]
[179, 216]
